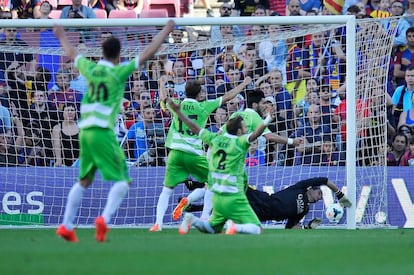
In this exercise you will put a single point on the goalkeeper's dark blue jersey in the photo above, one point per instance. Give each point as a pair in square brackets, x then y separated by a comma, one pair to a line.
[290, 203]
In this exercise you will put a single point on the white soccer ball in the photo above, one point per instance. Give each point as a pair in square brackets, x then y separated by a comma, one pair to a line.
[334, 212]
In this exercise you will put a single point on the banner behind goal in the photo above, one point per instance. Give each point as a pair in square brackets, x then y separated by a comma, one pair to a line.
[307, 68]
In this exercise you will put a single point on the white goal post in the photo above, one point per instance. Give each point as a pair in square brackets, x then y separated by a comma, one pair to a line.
[35, 195]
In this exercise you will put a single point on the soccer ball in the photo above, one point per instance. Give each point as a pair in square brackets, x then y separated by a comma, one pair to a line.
[334, 212]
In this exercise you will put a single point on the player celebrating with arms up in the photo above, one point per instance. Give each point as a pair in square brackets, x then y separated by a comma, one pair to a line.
[227, 177]
[186, 154]
[99, 148]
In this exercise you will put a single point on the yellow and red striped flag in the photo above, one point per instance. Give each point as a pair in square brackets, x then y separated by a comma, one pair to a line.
[334, 6]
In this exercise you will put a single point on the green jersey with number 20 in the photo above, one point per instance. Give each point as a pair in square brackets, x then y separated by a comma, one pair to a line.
[101, 103]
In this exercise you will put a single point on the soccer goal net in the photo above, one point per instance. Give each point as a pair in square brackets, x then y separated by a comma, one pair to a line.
[307, 68]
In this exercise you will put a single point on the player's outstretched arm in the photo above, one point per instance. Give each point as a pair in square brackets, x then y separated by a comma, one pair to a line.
[282, 140]
[235, 91]
[60, 33]
[259, 130]
[156, 43]
[343, 200]
[176, 108]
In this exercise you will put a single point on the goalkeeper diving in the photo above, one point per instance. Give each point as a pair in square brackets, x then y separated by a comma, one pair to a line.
[292, 203]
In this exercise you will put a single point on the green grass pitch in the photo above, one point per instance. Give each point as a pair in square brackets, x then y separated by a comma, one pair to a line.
[277, 251]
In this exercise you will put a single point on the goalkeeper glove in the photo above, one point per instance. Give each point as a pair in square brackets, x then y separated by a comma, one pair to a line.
[313, 223]
[343, 200]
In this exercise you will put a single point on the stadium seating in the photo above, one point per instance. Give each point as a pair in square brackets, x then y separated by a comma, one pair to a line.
[100, 13]
[172, 6]
[122, 14]
[154, 13]
[53, 3]
[55, 14]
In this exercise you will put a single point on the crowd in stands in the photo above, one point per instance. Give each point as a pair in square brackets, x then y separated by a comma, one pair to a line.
[302, 79]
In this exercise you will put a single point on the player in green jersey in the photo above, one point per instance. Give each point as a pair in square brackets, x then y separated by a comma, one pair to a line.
[252, 116]
[186, 155]
[99, 148]
[227, 176]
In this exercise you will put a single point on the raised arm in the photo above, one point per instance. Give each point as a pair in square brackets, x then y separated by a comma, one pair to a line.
[259, 130]
[176, 108]
[60, 33]
[235, 91]
[156, 43]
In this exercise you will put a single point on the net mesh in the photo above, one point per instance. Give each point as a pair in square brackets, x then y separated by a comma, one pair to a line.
[300, 69]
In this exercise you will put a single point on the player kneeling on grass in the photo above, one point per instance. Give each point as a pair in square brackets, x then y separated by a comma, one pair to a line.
[290, 204]
[227, 177]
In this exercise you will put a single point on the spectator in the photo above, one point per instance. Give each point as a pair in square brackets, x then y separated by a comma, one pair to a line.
[41, 113]
[215, 33]
[135, 5]
[295, 7]
[103, 5]
[154, 73]
[45, 9]
[408, 158]
[404, 57]
[139, 135]
[284, 106]
[301, 109]
[399, 145]
[77, 10]
[25, 9]
[247, 8]
[312, 132]
[232, 78]
[32, 82]
[227, 63]
[382, 11]
[234, 105]
[406, 130]
[407, 117]
[266, 88]
[316, 56]
[273, 50]
[255, 157]
[179, 73]
[5, 120]
[62, 93]
[409, 12]
[78, 82]
[327, 105]
[295, 71]
[339, 116]
[220, 117]
[330, 155]
[397, 10]
[7, 150]
[260, 10]
[401, 98]
[32, 152]
[66, 137]
[12, 61]
[253, 65]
